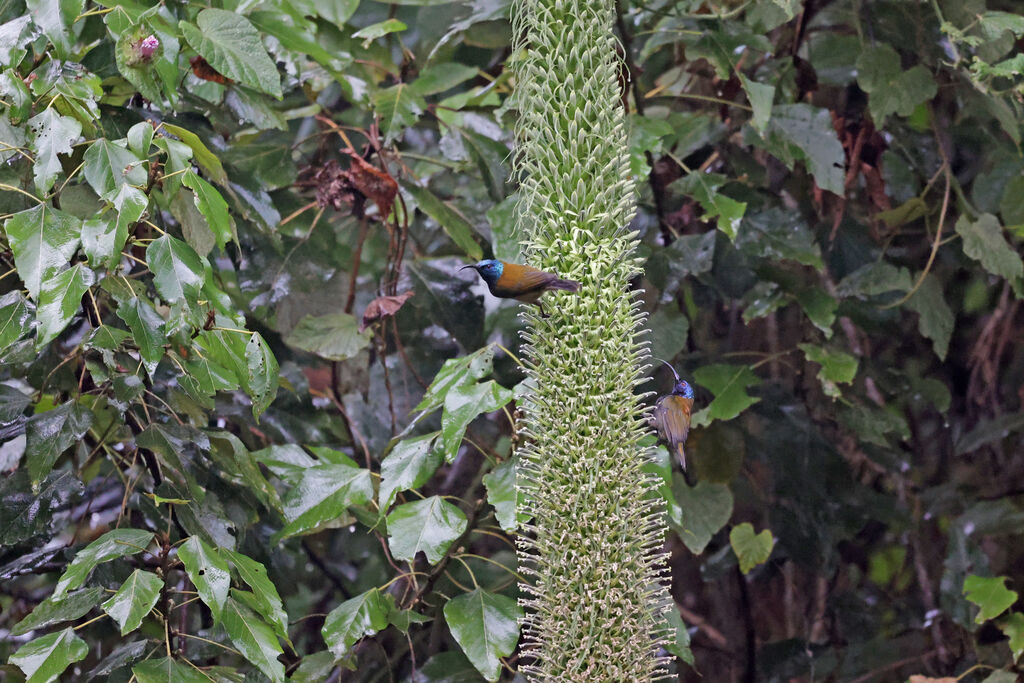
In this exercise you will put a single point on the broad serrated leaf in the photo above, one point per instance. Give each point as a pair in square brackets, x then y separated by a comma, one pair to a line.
[430, 525]
[322, 493]
[409, 465]
[454, 372]
[984, 242]
[206, 159]
[25, 514]
[1013, 627]
[43, 239]
[751, 549]
[363, 615]
[178, 271]
[266, 598]
[147, 329]
[935, 319]
[109, 165]
[892, 90]
[729, 385]
[212, 206]
[232, 46]
[50, 433]
[54, 135]
[262, 373]
[134, 600]
[45, 659]
[486, 627]
[59, 301]
[837, 367]
[110, 546]
[503, 495]
[761, 96]
[14, 319]
[399, 107]
[990, 594]
[700, 512]
[253, 638]
[51, 611]
[462, 404]
[779, 233]
[457, 227]
[334, 336]
[800, 132]
[167, 670]
[209, 571]
[704, 188]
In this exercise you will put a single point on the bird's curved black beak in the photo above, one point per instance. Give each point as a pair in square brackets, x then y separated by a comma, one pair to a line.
[469, 266]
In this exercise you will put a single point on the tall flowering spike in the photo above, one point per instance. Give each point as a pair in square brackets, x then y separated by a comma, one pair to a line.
[596, 603]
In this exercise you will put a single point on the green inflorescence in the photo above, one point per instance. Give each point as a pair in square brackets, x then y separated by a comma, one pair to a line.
[596, 602]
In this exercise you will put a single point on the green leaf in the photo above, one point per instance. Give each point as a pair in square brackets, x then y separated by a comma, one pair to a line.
[1013, 627]
[503, 495]
[454, 372]
[253, 638]
[779, 233]
[877, 277]
[335, 336]
[50, 433]
[438, 77]
[430, 525]
[134, 600]
[409, 465]
[381, 28]
[990, 594]
[457, 227]
[988, 431]
[178, 271]
[669, 332]
[729, 385]
[486, 627]
[800, 132]
[935, 317]
[147, 329]
[761, 97]
[25, 514]
[751, 549]
[1001, 677]
[14, 35]
[53, 611]
[984, 242]
[819, 307]
[232, 46]
[680, 645]
[403, 619]
[837, 367]
[109, 165]
[208, 571]
[110, 546]
[262, 378]
[267, 599]
[462, 404]
[703, 187]
[363, 615]
[213, 207]
[892, 90]
[702, 511]
[44, 659]
[14, 318]
[321, 494]
[399, 107]
[315, 668]
[60, 300]
[167, 670]
[43, 239]
[103, 237]
[207, 160]
[54, 135]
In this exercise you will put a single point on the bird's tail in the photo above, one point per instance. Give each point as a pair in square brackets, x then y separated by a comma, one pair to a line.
[567, 285]
[681, 456]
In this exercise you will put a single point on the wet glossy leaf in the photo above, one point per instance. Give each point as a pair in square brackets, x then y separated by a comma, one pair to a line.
[503, 495]
[14, 318]
[891, 89]
[457, 227]
[704, 188]
[45, 659]
[486, 627]
[335, 336]
[178, 271]
[68, 607]
[208, 571]
[147, 329]
[430, 525]
[462, 404]
[212, 206]
[167, 670]
[50, 433]
[680, 645]
[110, 546]
[837, 367]
[230, 43]
[408, 466]
[800, 132]
[729, 384]
[751, 549]
[59, 301]
[25, 514]
[134, 600]
[267, 600]
[54, 135]
[109, 165]
[206, 159]
[321, 494]
[990, 594]
[363, 615]
[779, 234]
[381, 28]
[399, 107]
[984, 242]
[456, 372]
[43, 239]
[253, 638]
[262, 378]
[703, 510]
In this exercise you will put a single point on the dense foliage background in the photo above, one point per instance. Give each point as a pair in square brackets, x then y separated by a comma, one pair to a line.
[254, 423]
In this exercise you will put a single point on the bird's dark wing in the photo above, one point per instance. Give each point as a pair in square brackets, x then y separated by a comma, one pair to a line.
[672, 419]
[521, 281]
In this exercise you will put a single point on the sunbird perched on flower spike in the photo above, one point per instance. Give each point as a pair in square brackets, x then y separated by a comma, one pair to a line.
[671, 416]
[525, 283]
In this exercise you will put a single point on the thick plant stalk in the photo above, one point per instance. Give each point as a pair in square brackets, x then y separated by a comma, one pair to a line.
[596, 605]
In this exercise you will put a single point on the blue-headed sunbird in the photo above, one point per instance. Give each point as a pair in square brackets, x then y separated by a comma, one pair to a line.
[525, 283]
[671, 416]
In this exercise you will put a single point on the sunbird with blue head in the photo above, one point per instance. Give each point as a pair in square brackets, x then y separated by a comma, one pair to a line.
[671, 416]
[524, 283]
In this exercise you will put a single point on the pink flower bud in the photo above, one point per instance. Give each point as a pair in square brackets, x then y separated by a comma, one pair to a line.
[147, 47]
